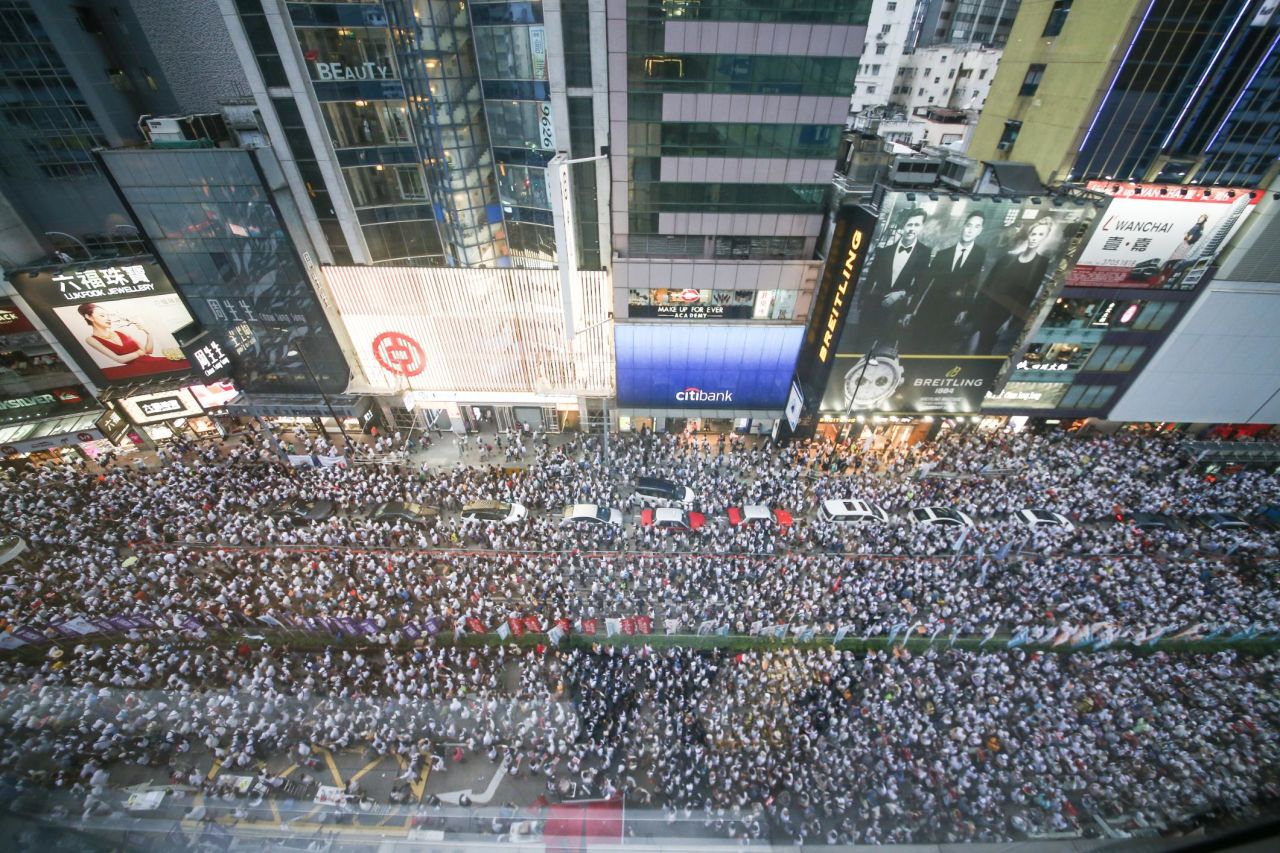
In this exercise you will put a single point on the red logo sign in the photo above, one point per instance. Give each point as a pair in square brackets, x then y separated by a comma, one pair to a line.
[400, 354]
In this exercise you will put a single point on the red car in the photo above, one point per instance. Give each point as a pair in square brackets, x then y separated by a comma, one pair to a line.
[758, 512]
[672, 519]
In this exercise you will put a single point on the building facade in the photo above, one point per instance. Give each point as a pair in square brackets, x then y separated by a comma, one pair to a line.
[725, 121]
[1183, 92]
[955, 77]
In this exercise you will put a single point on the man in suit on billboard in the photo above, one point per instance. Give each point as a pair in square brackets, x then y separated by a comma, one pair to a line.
[896, 280]
[944, 320]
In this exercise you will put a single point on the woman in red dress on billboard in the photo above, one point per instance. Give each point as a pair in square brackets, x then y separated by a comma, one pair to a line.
[125, 348]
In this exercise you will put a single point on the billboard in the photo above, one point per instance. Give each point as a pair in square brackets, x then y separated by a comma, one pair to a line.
[707, 367]
[1153, 235]
[117, 321]
[11, 320]
[948, 288]
[161, 407]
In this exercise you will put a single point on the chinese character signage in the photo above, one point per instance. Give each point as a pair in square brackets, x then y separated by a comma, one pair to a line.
[118, 322]
[165, 406]
[1027, 395]
[207, 356]
[949, 287]
[1159, 236]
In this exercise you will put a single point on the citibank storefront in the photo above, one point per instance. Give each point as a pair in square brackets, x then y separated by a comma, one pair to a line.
[712, 378]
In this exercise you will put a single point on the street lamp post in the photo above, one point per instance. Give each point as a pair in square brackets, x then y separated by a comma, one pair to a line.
[306, 362]
[870, 361]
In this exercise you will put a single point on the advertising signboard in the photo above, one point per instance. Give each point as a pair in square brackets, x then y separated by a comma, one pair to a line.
[118, 321]
[948, 289]
[706, 367]
[209, 360]
[113, 425]
[1027, 395]
[18, 408]
[1153, 235]
[165, 406]
[11, 320]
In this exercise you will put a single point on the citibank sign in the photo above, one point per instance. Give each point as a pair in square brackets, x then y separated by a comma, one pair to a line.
[697, 395]
[839, 302]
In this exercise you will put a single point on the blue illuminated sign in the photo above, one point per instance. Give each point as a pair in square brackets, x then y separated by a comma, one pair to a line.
[706, 367]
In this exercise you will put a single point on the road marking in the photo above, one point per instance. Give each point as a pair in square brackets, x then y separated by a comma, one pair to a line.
[478, 799]
[333, 767]
[363, 770]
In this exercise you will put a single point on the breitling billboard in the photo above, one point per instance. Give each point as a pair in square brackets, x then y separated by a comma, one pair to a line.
[949, 286]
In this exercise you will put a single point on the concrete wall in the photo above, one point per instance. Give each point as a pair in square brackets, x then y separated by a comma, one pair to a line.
[1080, 63]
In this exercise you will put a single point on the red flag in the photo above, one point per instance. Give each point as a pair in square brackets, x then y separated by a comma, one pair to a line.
[475, 625]
[532, 625]
[516, 628]
[628, 625]
[589, 626]
[564, 625]
[644, 624]
[836, 588]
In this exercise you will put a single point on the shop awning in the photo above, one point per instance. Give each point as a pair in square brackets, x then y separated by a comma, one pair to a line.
[51, 432]
[292, 405]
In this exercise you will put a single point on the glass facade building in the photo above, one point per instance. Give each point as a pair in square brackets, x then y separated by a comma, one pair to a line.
[707, 95]
[220, 232]
[439, 118]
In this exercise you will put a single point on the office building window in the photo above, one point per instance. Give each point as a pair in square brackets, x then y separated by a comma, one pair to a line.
[1115, 359]
[1087, 396]
[1031, 82]
[1057, 18]
[1010, 135]
[1154, 316]
[880, 49]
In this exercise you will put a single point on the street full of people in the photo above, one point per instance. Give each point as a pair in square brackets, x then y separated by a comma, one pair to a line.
[139, 578]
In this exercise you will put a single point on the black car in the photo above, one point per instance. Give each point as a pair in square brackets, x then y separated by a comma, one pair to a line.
[1220, 521]
[654, 491]
[1151, 521]
[402, 511]
[302, 510]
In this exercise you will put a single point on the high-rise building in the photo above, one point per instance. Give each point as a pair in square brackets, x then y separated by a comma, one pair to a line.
[986, 22]
[726, 121]
[1181, 92]
[421, 129]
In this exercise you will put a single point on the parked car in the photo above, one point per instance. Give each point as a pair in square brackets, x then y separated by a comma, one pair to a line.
[1220, 521]
[851, 511]
[1043, 518]
[591, 514]
[758, 512]
[672, 519]
[499, 511]
[1150, 521]
[653, 491]
[302, 510]
[941, 515]
[402, 511]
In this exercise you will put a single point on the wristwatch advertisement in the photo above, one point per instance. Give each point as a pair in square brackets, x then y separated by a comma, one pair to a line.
[873, 379]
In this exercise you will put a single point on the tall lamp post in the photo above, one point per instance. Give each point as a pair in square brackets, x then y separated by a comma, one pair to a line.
[328, 404]
[869, 361]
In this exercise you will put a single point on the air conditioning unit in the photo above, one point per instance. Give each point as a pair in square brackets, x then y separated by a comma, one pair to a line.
[1003, 146]
[164, 130]
[206, 128]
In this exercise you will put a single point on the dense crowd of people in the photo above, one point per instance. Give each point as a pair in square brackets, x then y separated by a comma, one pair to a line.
[817, 745]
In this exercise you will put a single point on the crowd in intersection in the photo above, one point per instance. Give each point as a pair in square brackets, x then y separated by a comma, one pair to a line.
[945, 744]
